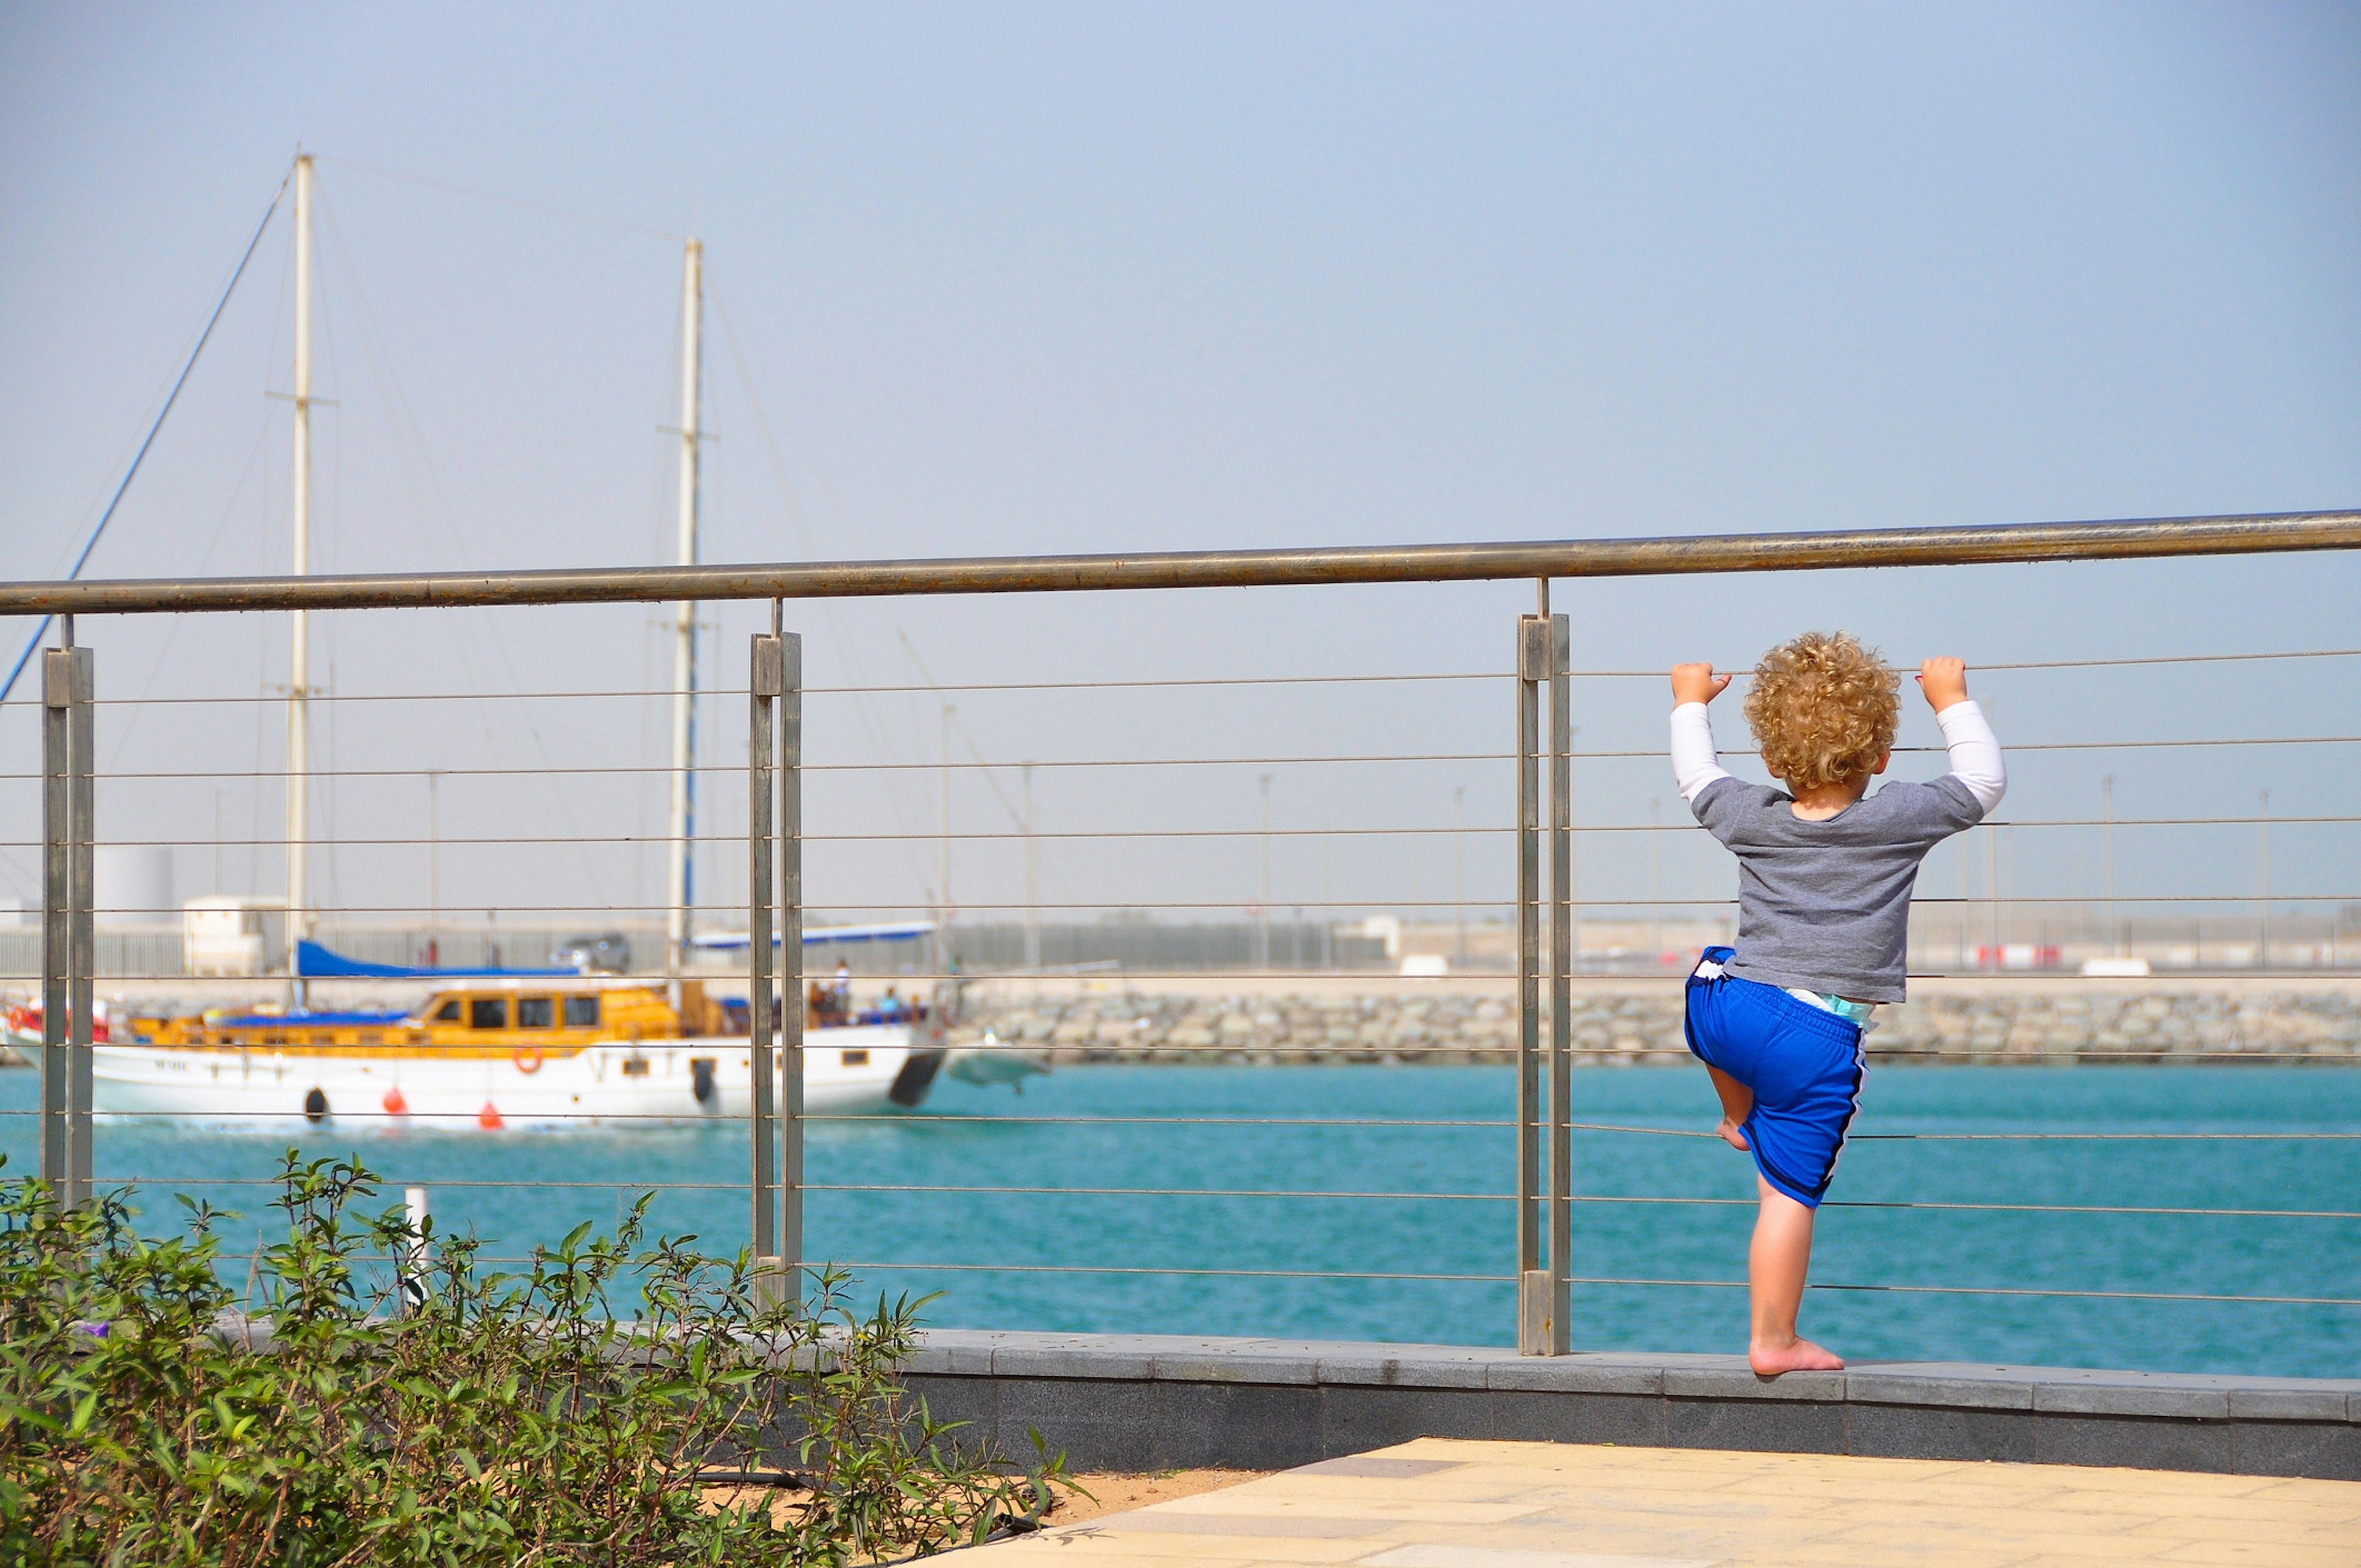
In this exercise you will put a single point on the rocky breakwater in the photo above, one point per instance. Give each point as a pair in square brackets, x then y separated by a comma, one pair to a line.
[1631, 1026]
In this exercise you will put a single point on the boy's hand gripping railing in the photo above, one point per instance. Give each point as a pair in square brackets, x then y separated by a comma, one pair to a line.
[1544, 1166]
[69, 947]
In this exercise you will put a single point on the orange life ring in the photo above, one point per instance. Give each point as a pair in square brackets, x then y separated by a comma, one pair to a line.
[527, 1059]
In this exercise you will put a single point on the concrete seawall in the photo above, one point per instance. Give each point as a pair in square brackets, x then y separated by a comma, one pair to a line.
[1640, 1021]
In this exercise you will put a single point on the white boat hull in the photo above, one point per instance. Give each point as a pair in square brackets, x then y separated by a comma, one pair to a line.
[857, 1070]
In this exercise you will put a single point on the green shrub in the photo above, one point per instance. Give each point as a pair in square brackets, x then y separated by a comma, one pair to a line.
[504, 1418]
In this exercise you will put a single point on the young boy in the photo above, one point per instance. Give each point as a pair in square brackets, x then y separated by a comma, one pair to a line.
[1825, 872]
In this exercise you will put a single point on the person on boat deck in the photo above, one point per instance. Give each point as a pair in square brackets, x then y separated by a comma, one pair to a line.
[890, 1009]
[843, 987]
[818, 1003]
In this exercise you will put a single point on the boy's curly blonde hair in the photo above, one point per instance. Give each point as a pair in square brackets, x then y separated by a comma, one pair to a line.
[1824, 709]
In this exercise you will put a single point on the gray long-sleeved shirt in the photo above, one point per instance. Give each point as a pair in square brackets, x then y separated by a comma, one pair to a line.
[1825, 905]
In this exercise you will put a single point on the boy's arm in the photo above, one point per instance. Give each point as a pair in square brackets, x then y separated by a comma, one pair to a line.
[1695, 763]
[1967, 735]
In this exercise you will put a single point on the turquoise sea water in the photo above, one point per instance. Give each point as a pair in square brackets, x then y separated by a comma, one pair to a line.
[493, 1182]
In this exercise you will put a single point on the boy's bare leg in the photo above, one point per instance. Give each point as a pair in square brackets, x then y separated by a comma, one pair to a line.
[1737, 1104]
[1775, 1266]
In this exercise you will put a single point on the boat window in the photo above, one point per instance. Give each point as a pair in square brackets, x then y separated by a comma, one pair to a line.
[488, 1013]
[581, 1012]
[856, 1058]
[536, 1013]
[448, 1013]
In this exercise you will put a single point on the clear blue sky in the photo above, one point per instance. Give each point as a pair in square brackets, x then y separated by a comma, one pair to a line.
[1030, 278]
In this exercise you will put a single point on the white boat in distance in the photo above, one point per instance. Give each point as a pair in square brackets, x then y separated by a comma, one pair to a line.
[494, 1050]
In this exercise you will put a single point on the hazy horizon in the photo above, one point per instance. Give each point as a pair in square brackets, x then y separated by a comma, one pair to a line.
[1053, 279]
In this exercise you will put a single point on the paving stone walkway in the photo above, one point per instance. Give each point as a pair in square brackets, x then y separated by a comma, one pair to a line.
[1445, 1503]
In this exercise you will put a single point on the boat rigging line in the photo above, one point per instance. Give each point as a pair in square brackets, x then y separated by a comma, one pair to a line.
[42, 629]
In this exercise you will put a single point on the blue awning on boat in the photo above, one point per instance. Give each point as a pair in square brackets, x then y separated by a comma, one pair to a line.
[314, 962]
[311, 1019]
[820, 936]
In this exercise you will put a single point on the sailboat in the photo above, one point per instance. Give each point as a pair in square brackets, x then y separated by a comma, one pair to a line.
[496, 1048]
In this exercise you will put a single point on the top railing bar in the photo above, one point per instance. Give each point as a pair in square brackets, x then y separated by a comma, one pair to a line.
[2254, 533]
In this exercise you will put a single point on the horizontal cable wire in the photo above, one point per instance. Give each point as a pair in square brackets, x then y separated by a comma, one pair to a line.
[1193, 1273]
[627, 694]
[1677, 1284]
[545, 1255]
[817, 1039]
[2059, 1293]
[526, 1119]
[1962, 1054]
[1208, 981]
[1003, 836]
[150, 1180]
[1655, 753]
[1576, 1198]
[2013, 746]
[1978, 901]
[999, 836]
[1201, 681]
[1975, 668]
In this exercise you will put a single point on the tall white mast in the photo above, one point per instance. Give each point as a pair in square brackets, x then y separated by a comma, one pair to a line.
[684, 658]
[299, 677]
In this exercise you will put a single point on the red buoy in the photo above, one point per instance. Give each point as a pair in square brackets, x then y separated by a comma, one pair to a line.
[395, 1105]
[490, 1116]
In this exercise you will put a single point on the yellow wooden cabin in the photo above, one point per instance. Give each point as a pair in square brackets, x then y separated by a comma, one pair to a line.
[489, 1018]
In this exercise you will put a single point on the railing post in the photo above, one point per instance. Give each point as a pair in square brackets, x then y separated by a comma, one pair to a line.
[1533, 1315]
[1558, 1330]
[761, 784]
[791, 945]
[68, 945]
[57, 929]
[81, 882]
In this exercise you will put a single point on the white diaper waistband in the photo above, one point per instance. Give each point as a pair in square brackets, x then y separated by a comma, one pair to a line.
[1859, 1012]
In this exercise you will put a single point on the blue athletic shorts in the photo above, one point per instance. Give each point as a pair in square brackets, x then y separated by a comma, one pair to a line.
[1803, 1063]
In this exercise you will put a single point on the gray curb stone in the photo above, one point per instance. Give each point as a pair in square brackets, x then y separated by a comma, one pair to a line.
[1151, 1401]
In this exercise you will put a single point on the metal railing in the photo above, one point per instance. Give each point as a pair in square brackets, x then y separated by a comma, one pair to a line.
[1543, 1048]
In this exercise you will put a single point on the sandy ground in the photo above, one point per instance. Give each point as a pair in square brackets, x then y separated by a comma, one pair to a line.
[1114, 1493]
[1108, 1493]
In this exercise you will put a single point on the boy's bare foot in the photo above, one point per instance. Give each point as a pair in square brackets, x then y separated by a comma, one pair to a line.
[1796, 1355]
[1732, 1133]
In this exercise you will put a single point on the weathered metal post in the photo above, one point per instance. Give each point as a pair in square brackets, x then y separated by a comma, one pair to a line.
[68, 945]
[1533, 1283]
[56, 930]
[410, 1256]
[83, 823]
[761, 786]
[791, 945]
[1558, 1330]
